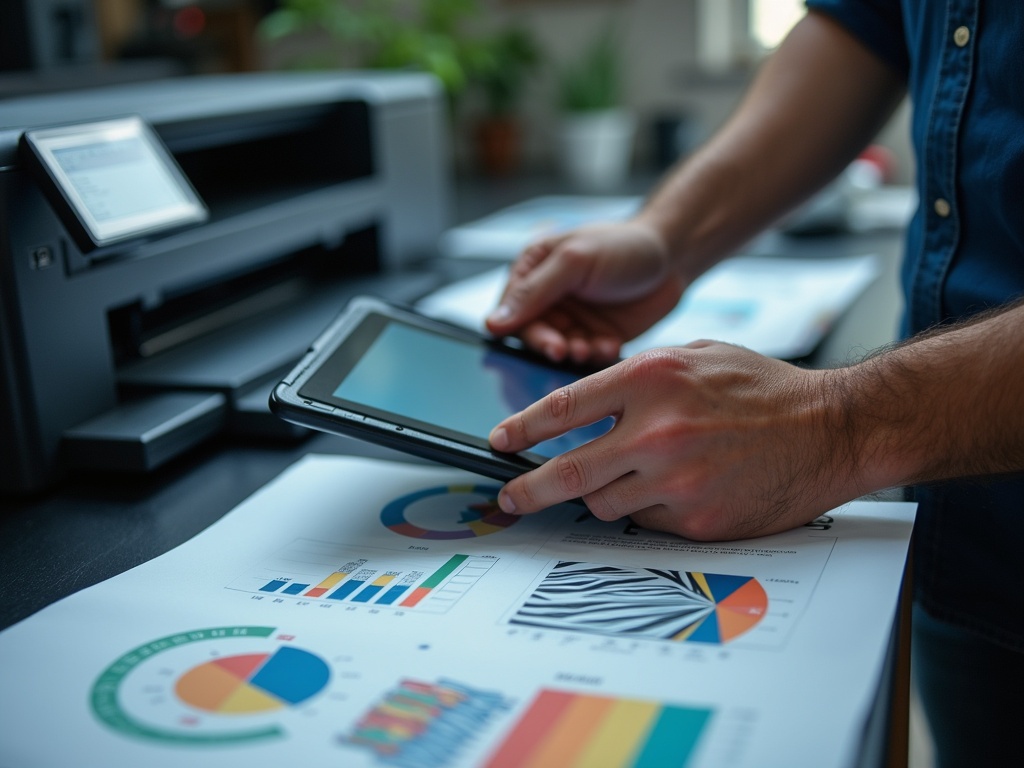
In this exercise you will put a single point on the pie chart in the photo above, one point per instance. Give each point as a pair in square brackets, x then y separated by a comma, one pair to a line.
[739, 604]
[249, 683]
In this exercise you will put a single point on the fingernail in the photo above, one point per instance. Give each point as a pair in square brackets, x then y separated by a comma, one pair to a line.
[607, 349]
[505, 502]
[554, 351]
[501, 314]
[499, 439]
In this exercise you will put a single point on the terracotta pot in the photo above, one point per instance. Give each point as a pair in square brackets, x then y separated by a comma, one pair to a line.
[498, 145]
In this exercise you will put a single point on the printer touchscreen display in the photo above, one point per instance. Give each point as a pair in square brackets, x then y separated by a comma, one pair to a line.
[119, 179]
[114, 180]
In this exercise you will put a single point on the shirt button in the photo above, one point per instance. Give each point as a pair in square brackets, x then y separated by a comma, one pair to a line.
[942, 207]
[961, 36]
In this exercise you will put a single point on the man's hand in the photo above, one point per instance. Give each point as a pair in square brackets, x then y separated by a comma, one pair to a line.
[711, 441]
[583, 294]
[714, 441]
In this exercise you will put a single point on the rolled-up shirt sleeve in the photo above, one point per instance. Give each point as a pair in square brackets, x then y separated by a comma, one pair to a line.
[878, 24]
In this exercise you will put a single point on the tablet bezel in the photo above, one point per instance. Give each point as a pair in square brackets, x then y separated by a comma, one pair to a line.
[305, 396]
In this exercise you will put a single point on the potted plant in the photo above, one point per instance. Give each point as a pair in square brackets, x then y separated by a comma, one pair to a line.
[504, 64]
[428, 35]
[382, 34]
[596, 132]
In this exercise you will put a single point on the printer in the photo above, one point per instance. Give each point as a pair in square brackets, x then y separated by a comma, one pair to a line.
[123, 354]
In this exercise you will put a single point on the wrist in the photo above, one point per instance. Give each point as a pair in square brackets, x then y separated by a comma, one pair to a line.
[895, 406]
[864, 417]
[944, 404]
[697, 216]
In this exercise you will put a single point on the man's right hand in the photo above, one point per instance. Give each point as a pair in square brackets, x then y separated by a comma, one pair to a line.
[582, 294]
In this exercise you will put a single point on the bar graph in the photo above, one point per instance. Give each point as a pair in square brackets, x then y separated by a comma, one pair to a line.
[310, 570]
[576, 730]
[422, 723]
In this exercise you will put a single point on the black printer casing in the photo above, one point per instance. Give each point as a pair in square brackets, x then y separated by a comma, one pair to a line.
[353, 168]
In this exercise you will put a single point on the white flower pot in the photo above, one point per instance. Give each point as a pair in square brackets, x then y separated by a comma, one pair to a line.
[597, 148]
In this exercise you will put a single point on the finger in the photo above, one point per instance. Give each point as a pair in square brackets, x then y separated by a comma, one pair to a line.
[580, 349]
[628, 494]
[573, 474]
[592, 337]
[593, 347]
[657, 517]
[527, 260]
[606, 349]
[558, 335]
[550, 334]
[576, 405]
[697, 522]
[528, 295]
[546, 339]
[534, 253]
[575, 331]
[574, 345]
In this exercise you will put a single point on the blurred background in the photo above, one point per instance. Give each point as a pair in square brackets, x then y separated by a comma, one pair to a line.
[514, 70]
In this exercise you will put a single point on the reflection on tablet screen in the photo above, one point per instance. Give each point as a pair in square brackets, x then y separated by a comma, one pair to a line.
[458, 386]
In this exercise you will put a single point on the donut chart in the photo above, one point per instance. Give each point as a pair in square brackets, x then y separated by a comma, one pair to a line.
[253, 682]
[447, 512]
[740, 602]
[229, 684]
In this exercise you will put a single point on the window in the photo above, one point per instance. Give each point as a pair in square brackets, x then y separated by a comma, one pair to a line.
[734, 33]
[771, 20]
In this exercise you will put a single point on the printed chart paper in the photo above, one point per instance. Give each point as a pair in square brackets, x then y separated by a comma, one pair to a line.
[357, 612]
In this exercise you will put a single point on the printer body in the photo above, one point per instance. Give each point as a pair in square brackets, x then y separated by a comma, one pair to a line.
[124, 357]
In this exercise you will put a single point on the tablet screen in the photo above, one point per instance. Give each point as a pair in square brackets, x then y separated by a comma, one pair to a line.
[445, 385]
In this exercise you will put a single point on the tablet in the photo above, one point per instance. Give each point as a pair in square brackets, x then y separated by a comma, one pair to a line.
[111, 181]
[391, 376]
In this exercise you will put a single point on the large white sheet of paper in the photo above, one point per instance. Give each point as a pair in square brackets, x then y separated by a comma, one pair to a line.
[776, 306]
[364, 613]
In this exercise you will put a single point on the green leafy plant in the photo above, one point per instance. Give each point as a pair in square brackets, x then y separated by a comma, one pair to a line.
[428, 35]
[594, 81]
[502, 68]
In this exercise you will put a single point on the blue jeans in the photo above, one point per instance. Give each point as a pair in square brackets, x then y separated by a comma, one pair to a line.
[972, 691]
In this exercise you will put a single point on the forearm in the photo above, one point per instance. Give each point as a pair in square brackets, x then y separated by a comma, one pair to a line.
[814, 105]
[944, 405]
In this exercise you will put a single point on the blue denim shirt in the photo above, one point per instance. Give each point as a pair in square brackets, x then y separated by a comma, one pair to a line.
[963, 61]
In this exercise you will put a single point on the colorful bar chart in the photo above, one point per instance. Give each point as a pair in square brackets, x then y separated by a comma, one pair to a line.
[432, 582]
[395, 592]
[420, 723]
[574, 730]
[325, 585]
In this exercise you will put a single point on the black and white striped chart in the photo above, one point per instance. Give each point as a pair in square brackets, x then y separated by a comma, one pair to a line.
[655, 604]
